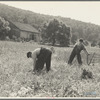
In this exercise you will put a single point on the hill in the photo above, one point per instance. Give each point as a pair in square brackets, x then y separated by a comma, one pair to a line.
[79, 29]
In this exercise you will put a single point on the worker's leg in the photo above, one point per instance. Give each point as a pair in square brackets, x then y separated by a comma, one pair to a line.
[73, 54]
[79, 59]
[48, 62]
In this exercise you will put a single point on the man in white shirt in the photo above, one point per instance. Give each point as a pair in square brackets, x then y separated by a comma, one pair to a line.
[41, 56]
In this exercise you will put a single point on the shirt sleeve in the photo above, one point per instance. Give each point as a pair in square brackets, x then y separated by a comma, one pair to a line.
[34, 57]
[84, 49]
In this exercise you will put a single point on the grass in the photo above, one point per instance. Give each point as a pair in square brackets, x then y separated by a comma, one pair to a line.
[17, 79]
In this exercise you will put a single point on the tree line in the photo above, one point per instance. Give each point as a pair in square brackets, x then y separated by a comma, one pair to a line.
[79, 29]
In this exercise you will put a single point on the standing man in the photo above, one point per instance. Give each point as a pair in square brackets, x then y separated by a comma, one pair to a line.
[79, 46]
[41, 56]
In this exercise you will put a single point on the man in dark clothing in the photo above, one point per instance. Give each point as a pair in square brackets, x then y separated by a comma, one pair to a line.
[76, 52]
[41, 56]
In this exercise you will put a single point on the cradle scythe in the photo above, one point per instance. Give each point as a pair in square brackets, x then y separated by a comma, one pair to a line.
[90, 59]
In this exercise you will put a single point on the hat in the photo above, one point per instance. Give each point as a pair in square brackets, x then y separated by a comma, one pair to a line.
[81, 40]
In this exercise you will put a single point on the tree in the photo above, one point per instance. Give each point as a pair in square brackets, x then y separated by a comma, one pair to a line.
[74, 38]
[4, 28]
[63, 35]
[25, 20]
[94, 43]
[52, 30]
[57, 32]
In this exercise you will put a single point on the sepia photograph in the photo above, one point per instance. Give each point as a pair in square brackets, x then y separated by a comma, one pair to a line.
[50, 49]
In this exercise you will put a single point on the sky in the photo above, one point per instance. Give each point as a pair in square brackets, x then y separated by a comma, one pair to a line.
[86, 11]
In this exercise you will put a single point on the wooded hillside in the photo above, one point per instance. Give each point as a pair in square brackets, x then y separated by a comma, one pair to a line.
[79, 29]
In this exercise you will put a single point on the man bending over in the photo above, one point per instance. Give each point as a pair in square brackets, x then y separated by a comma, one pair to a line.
[41, 56]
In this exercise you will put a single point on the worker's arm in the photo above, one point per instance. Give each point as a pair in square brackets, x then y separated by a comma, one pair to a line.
[34, 57]
[85, 50]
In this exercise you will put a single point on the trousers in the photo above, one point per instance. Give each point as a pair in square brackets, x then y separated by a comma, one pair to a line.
[43, 58]
[72, 56]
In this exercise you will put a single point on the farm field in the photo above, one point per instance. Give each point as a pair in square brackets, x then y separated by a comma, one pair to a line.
[17, 79]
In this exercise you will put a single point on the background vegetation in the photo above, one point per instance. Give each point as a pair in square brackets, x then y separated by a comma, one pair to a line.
[88, 31]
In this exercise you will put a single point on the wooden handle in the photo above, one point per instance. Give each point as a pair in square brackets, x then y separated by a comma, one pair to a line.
[91, 59]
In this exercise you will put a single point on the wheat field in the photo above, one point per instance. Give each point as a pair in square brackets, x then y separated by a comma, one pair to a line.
[17, 79]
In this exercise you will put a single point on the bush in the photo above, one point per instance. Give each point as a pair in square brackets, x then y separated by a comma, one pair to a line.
[94, 43]
[7, 38]
[99, 44]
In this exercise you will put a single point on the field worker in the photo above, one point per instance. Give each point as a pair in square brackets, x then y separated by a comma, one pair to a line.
[79, 46]
[41, 56]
